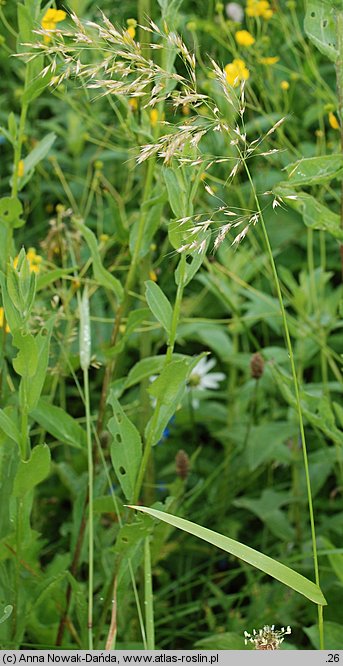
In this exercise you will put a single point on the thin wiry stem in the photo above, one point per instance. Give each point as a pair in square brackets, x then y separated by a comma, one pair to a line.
[297, 399]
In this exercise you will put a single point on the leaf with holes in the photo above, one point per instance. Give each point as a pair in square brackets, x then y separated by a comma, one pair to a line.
[126, 448]
[319, 25]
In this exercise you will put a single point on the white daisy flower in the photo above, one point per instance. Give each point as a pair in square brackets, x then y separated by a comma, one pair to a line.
[201, 378]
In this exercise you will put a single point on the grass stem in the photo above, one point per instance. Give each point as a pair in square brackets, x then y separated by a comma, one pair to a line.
[297, 400]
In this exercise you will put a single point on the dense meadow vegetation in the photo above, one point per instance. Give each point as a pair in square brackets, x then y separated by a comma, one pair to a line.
[170, 271]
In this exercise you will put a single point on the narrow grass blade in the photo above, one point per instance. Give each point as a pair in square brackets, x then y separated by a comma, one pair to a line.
[271, 567]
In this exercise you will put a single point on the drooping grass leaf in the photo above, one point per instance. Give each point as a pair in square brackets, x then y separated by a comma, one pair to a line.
[272, 567]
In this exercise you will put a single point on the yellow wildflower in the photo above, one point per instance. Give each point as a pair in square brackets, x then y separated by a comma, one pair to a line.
[155, 117]
[284, 85]
[103, 238]
[259, 8]
[269, 60]
[33, 258]
[131, 30]
[2, 318]
[50, 20]
[133, 103]
[21, 168]
[236, 71]
[152, 275]
[333, 122]
[244, 38]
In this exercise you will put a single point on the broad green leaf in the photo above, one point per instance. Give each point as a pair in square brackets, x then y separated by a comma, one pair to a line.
[213, 336]
[333, 635]
[44, 280]
[36, 155]
[320, 28]
[271, 567]
[168, 390]
[152, 210]
[194, 260]
[36, 87]
[179, 233]
[59, 424]
[25, 25]
[335, 559]
[26, 361]
[147, 367]
[159, 305]
[314, 213]
[13, 317]
[176, 191]
[314, 409]
[151, 365]
[32, 471]
[11, 210]
[264, 438]
[101, 274]
[126, 447]
[267, 508]
[130, 535]
[38, 379]
[134, 321]
[9, 427]
[314, 170]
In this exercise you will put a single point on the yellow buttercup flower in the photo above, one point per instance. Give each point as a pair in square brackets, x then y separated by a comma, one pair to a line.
[21, 168]
[50, 20]
[33, 258]
[244, 38]
[269, 60]
[236, 72]
[284, 85]
[155, 117]
[259, 8]
[152, 275]
[333, 122]
[133, 103]
[131, 30]
[2, 319]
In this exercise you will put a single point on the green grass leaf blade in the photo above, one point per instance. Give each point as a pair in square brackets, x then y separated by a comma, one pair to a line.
[277, 570]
